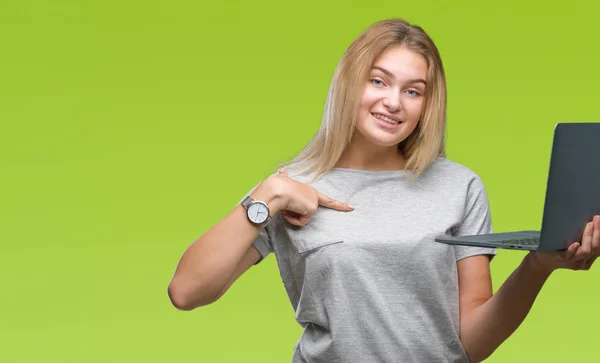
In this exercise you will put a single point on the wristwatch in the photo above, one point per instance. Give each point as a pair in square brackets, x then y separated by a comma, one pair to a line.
[257, 212]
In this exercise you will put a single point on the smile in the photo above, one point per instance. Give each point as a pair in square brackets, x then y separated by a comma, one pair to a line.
[386, 119]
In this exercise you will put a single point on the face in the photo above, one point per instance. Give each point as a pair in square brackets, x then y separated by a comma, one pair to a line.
[393, 98]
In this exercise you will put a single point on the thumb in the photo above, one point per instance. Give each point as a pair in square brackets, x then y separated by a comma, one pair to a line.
[571, 250]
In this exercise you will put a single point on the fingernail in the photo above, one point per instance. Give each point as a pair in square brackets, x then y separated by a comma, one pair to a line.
[350, 206]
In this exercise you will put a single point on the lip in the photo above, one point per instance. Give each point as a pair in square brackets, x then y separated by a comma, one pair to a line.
[386, 115]
[386, 125]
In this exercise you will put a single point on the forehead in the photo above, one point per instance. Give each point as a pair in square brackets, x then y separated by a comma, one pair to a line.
[402, 63]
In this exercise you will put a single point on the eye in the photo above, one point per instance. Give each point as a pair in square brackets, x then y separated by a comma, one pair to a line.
[377, 82]
[413, 93]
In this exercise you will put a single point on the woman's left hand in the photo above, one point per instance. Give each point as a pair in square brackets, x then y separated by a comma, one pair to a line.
[579, 255]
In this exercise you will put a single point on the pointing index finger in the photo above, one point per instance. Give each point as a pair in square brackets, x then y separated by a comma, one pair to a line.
[331, 203]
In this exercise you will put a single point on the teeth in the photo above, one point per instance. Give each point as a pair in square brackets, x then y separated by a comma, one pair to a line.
[386, 119]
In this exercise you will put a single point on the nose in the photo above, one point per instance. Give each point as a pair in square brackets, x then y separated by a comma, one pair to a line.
[392, 102]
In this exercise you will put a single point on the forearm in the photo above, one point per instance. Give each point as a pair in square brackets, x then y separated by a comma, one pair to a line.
[486, 326]
[207, 266]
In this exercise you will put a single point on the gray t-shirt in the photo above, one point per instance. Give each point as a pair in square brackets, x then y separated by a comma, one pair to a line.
[372, 285]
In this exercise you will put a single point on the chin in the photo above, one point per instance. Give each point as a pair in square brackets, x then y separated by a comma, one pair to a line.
[384, 141]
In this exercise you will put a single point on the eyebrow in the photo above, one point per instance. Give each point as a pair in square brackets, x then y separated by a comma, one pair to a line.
[391, 75]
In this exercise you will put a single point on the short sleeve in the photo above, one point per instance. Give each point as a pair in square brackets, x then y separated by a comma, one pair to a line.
[476, 218]
[262, 243]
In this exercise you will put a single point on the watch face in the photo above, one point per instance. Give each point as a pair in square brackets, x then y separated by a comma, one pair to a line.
[258, 212]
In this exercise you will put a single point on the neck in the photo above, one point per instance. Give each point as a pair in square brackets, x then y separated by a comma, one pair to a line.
[365, 156]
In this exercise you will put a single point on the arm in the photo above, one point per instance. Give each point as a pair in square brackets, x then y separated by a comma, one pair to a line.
[213, 262]
[217, 258]
[485, 320]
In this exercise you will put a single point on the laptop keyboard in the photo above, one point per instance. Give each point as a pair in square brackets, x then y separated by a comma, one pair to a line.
[528, 241]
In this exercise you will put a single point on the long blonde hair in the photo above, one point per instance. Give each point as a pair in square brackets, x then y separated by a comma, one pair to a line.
[422, 146]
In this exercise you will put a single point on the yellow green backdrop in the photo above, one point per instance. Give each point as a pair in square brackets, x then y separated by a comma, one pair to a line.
[128, 128]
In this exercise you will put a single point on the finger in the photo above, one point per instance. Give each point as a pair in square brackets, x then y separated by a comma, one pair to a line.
[595, 242]
[293, 221]
[571, 250]
[303, 220]
[585, 251]
[328, 202]
[596, 235]
[292, 218]
[297, 218]
[283, 172]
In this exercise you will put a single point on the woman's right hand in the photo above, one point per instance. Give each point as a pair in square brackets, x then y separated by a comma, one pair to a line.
[297, 201]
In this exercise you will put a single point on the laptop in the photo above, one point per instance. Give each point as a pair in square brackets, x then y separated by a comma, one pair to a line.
[572, 195]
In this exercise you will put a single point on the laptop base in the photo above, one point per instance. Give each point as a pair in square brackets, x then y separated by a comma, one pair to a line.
[523, 240]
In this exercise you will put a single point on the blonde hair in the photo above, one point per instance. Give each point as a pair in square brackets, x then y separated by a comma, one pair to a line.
[422, 146]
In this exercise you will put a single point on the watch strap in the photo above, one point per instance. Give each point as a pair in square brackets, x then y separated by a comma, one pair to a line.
[247, 201]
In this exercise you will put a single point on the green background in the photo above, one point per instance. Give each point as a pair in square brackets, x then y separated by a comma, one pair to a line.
[130, 128]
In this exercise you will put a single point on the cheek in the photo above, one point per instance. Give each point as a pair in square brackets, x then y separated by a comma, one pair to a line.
[414, 109]
[368, 100]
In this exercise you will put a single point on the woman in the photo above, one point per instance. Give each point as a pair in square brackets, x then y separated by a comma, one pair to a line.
[352, 222]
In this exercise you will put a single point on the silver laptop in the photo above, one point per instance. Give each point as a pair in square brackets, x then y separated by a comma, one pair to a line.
[572, 195]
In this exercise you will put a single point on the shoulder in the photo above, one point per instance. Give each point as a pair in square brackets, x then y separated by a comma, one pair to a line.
[454, 173]
[445, 166]
[453, 180]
